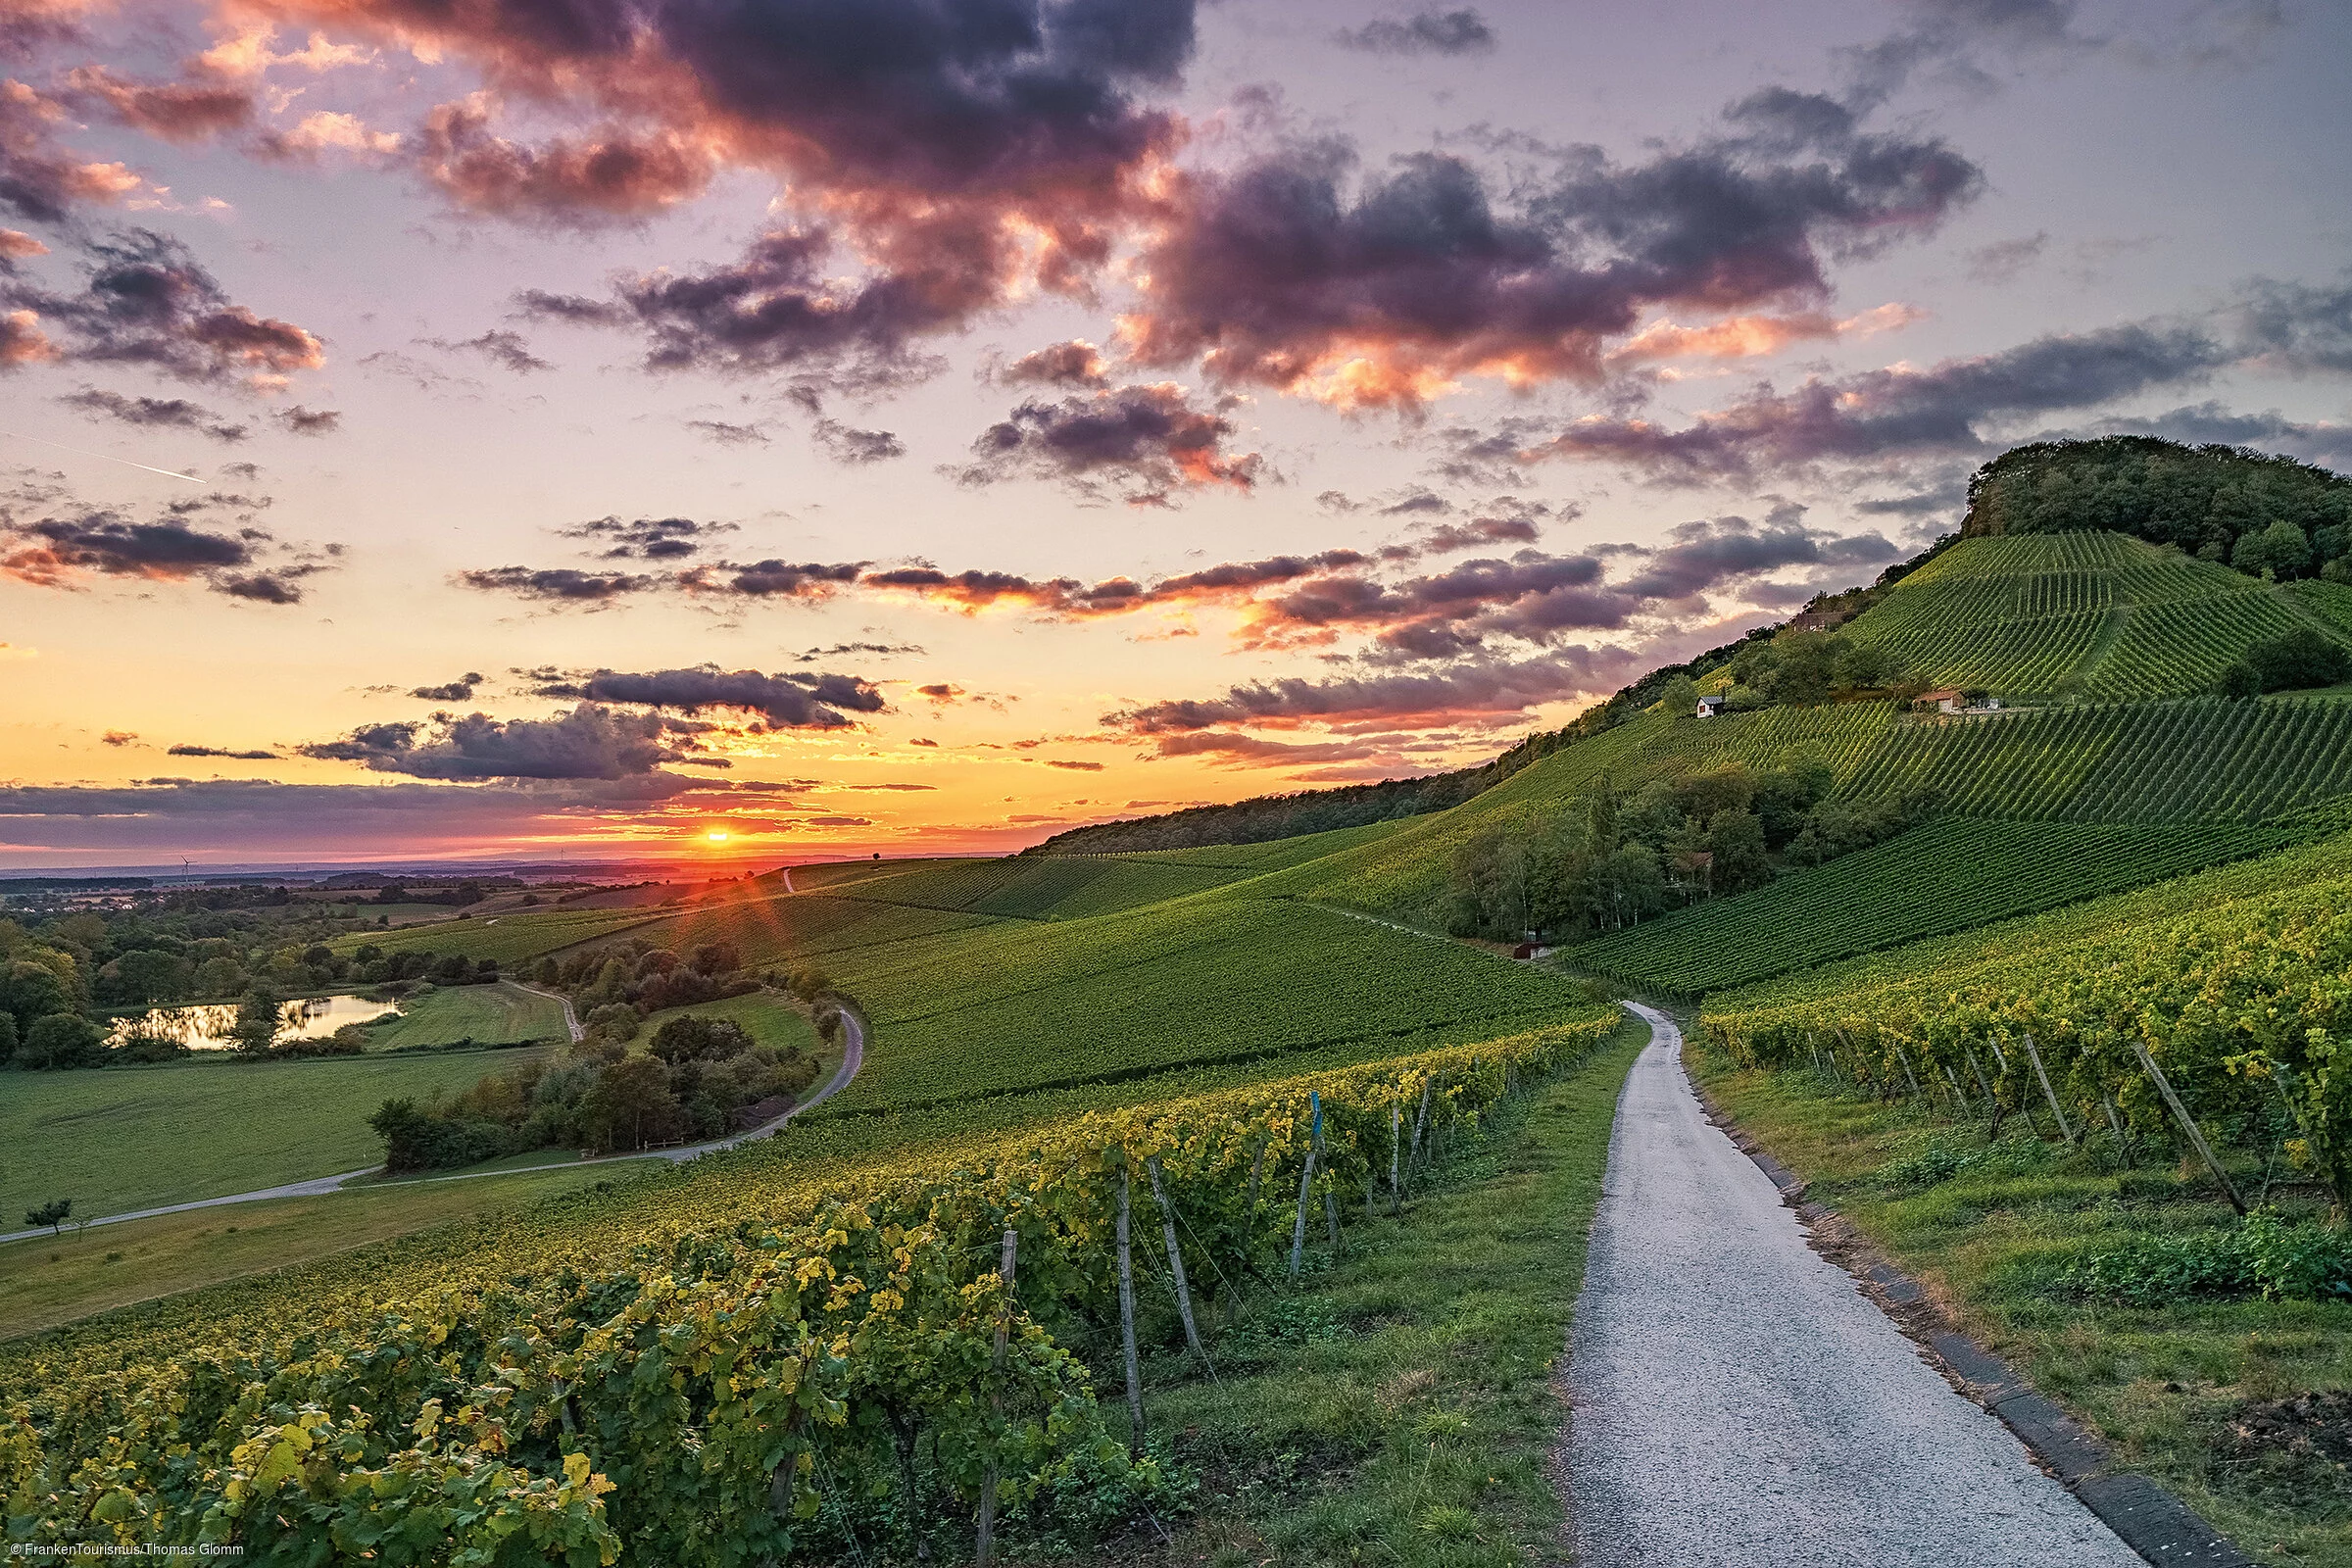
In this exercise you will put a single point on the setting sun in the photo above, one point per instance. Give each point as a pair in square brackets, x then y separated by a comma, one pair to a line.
[717, 835]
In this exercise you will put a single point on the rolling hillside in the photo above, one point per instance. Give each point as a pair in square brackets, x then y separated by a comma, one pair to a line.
[2098, 615]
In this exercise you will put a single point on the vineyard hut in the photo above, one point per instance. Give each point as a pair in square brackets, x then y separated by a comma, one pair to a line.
[1944, 699]
[1710, 704]
[1526, 950]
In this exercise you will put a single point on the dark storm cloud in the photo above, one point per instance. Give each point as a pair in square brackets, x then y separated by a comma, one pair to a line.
[772, 579]
[178, 414]
[1141, 442]
[564, 584]
[728, 436]
[613, 176]
[147, 301]
[857, 447]
[1476, 689]
[1074, 363]
[40, 180]
[460, 690]
[309, 421]
[1290, 273]
[66, 551]
[222, 751]
[502, 345]
[586, 743]
[781, 307]
[1900, 412]
[1424, 32]
[1702, 556]
[2298, 328]
[790, 701]
[646, 538]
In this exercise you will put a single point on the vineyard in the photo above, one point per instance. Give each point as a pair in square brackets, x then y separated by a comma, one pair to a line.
[510, 939]
[2094, 614]
[1952, 875]
[1025, 888]
[2233, 1009]
[2181, 761]
[801, 925]
[1020, 1006]
[893, 1345]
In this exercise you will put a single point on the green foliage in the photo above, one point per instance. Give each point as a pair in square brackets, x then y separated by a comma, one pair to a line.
[54, 1215]
[260, 1016]
[2298, 659]
[692, 1038]
[751, 1391]
[2266, 1255]
[61, 1040]
[481, 1015]
[1952, 875]
[2210, 497]
[2238, 995]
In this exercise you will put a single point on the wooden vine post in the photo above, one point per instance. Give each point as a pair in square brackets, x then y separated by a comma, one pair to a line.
[985, 1548]
[1396, 1160]
[1257, 1169]
[2188, 1125]
[1306, 1184]
[2114, 1125]
[2034, 1055]
[1330, 1205]
[1167, 1226]
[1977, 1067]
[1134, 1370]
[1421, 1122]
[1904, 1056]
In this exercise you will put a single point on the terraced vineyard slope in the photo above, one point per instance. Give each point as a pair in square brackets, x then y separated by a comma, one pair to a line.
[1952, 875]
[2095, 614]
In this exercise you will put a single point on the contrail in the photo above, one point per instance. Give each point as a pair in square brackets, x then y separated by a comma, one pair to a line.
[126, 461]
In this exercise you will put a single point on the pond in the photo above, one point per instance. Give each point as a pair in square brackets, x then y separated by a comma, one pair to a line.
[212, 1025]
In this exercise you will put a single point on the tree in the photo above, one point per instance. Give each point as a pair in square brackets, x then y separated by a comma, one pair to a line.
[8, 1036]
[1868, 667]
[2298, 659]
[150, 975]
[2279, 549]
[629, 1105]
[61, 1040]
[259, 1017]
[406, 1133]
[54, 1215]
[695, 1037]
[1681, 698]
[2238, 682]
[30, 989]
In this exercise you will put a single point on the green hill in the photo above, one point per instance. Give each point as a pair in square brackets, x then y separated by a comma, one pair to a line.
[2095, 615]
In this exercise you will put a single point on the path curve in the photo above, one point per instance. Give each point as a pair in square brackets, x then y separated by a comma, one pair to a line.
[853, 1058]
[1738, 1403]
[571, 1017]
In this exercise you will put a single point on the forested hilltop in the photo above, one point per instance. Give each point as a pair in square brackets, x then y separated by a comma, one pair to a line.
[2268, 517]
[2228, 504]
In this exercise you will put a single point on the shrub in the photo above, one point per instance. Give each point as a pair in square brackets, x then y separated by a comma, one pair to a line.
[2267, 1255]
[694, 1038]
[61, 1040]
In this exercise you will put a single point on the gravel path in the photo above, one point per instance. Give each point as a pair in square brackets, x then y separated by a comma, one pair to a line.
[1737, 1402]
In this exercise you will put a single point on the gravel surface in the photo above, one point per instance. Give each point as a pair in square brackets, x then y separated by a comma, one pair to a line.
[1738, 1401]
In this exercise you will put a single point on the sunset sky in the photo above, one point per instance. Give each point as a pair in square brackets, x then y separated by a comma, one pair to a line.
[920, 425]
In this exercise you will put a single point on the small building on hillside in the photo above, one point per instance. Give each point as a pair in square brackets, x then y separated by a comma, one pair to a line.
[1710, 704]
[1944, 700]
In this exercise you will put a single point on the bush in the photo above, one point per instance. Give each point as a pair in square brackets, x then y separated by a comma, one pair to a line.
[694, 1038]
[61, 1040]
[2238, 682]
[2267, 1254]
[2299, 659]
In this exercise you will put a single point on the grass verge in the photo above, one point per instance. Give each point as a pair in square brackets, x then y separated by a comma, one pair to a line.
[498, 1015]
[2237, 1403]
[47, 1281]
[116, 1138]
[1400, 1408]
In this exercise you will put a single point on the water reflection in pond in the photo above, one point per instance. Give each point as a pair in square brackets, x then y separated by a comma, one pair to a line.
[212, 1025]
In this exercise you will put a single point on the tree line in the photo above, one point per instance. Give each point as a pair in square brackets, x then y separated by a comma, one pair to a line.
[1610, 858]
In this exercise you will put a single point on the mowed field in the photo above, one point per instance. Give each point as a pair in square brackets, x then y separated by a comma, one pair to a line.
[116, 1138]
[487, 1016]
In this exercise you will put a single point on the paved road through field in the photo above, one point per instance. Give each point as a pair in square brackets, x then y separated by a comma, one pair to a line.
[1738, 1402]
